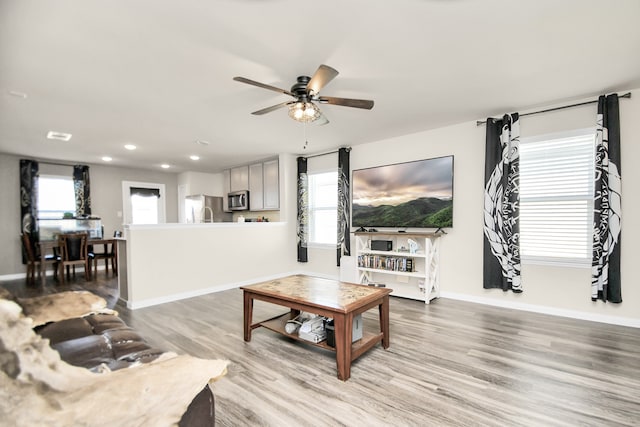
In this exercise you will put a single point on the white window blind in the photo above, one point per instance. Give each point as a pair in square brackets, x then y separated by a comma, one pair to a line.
[556, 198]
[56, 196]
[323, 208]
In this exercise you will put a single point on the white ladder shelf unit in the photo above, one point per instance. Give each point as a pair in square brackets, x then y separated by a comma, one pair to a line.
[410, 274]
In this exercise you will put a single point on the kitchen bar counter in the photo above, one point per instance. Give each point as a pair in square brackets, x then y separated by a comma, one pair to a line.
[174, 225]
[166, 262]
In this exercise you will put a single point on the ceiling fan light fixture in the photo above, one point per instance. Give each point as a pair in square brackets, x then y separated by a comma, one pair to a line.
[304, 112]
[306, 92]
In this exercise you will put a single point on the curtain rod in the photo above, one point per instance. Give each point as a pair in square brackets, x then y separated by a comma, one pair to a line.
[55, 164]
[325, 154]
[626, 95]
[43, 162]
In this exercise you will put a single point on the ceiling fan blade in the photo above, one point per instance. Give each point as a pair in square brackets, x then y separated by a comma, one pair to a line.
[324, 74]
[346, 102]
[272, 108]
[262, 85]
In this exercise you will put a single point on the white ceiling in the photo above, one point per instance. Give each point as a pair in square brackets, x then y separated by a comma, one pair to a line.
[158, 73]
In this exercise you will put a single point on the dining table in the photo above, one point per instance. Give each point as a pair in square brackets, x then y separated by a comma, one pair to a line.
[50, 246]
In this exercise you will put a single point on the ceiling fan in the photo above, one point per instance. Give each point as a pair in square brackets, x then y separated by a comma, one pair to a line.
[306, 93]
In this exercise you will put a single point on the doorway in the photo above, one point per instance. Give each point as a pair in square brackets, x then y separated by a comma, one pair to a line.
[143, 203]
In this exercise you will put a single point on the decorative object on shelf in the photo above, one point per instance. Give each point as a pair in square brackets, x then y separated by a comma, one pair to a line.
[413, 246]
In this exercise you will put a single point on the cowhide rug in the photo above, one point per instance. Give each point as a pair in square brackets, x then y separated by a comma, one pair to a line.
[63, 305]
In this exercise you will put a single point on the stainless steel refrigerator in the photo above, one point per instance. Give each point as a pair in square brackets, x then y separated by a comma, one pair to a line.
[201, 208]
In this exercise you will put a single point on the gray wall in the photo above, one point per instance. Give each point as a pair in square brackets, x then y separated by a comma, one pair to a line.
[106, 192]
[106, 199]
[554, 289]
[10, 249]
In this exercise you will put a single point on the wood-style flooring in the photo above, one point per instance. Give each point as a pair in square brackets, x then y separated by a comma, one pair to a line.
[451, 363]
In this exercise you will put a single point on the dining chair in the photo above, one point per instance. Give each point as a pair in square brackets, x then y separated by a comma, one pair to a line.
[73, 251]
[108, 254]
[33, 257]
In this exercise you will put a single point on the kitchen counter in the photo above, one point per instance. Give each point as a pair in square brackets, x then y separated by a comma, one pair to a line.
[200, 224]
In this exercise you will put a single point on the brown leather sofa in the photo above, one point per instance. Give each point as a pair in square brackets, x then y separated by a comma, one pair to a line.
[99, 340]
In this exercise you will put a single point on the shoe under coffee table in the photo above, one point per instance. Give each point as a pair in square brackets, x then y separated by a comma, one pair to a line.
[329, 298]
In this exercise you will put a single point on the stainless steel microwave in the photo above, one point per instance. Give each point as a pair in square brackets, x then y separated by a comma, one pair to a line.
[239, 200]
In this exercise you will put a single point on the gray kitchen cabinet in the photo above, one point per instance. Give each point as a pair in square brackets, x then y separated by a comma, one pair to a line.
[240, 178]
[261, 179]
[271, 184]
[226, 187]
[256, 193]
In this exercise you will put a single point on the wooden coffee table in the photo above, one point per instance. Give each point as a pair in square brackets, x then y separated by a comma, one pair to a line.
[329, 298]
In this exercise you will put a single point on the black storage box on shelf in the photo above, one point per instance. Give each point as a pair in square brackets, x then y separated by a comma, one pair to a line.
[381, 245]
[356, 330]
[331, 333]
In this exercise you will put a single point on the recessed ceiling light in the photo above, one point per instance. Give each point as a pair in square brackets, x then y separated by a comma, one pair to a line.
[165, 166]
[106, 159]
[201, 142]
[194, 157]
[60, 136]
[130, 147]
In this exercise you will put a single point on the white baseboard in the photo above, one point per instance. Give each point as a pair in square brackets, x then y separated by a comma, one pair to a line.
[17, 276]
[204, 291]
[573, 314]
[9, 277]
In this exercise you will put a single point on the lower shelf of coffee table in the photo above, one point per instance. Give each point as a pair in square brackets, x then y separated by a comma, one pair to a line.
[277, 324]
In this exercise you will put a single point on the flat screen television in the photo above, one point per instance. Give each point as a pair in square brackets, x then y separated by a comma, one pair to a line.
[413, 194]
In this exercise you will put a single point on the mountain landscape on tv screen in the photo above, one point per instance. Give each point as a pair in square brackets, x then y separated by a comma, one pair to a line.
[425, 212]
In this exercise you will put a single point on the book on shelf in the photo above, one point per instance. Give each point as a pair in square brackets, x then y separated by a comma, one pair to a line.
[387, 263]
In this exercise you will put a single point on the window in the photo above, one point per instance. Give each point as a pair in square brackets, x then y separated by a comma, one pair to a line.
[323, 208]
[556, 198]
[56, 196]
[144, 209]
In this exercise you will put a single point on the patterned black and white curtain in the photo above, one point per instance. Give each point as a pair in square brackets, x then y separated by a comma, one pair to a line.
[501, 204]
[344, 191]
[29, 201]
[303, 209]
[607, 210]
[81, 185]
